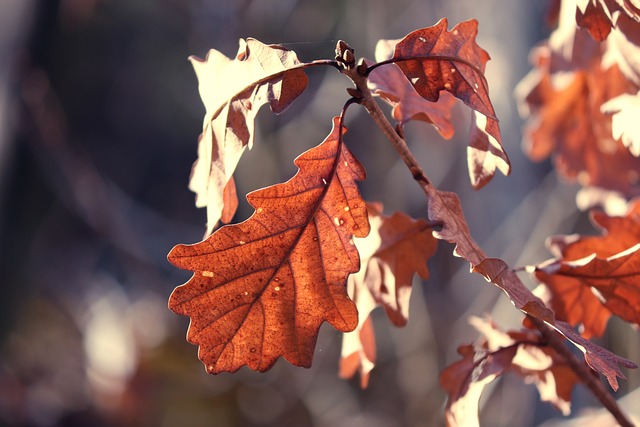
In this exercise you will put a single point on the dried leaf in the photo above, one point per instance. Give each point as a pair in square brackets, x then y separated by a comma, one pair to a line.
[230, 199]
[574, 303]
[614, 281]
[390, 84]
[434, 60]
[396, 248]
[599, 17]
[536, 362]
[496, 353]
[569, 124]
[465, 380]
[262, 288]
[445, 207]
[594, 277]
[563, 99]
[233, 90]
[625, 109]
[622, 48]
[595, 18]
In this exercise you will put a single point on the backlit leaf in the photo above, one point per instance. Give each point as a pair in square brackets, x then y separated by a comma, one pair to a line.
[625, 109]
[390, 84]
[262, 288]
[444, 207]
[599, 17]
[396, 248]
[435, 60]
[565, 100]
[233, 90]
[594, 277]
[524, 353]
[465, 380]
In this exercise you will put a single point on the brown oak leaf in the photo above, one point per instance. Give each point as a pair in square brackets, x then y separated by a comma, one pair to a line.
[444, 207]
[233, 90]
[435, 60]
[569, 124]
[496, 353]
[396, 248]
[535, 362]
[262, 288]
[595, 277]
[465, 380]
[599, 17]
[390, 84]
[564, 99]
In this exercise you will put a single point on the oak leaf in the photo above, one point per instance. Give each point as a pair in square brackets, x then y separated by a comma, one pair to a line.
[262, 288]
[390, 84]
[563, 98]
[568, 123]
[595, 277]
[465, 380]
[233, 90]
[599, 17]
[396, 248]
[445, 208]
[535, 362]
[435, 60]
[524, 353]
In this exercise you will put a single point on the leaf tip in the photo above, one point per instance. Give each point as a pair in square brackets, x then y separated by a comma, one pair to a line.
[175, 254]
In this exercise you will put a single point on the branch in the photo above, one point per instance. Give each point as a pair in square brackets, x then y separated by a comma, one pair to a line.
[366, 99]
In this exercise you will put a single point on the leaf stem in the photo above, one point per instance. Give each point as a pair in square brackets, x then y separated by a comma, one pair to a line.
[583, 371]
[366, 99]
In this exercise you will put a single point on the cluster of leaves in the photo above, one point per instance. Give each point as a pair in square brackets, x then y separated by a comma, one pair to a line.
[315, 251]
[582, 97]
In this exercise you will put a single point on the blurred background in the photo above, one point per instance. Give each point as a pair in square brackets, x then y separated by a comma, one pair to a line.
[99, 118]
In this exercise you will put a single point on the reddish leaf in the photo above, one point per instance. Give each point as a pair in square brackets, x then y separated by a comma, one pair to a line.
[569, 124]
[465, 380]
[445, 208]
[563, 98]
[390, 84]
[599, 17]
[575, 303]
[233, 90]
[622, 48]
[616, 280]
[230, 199]
[434, 60]
[595, 19]
[521, 352]
[396, 248]
[606, 264]
[599, 359]
[262, 288]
